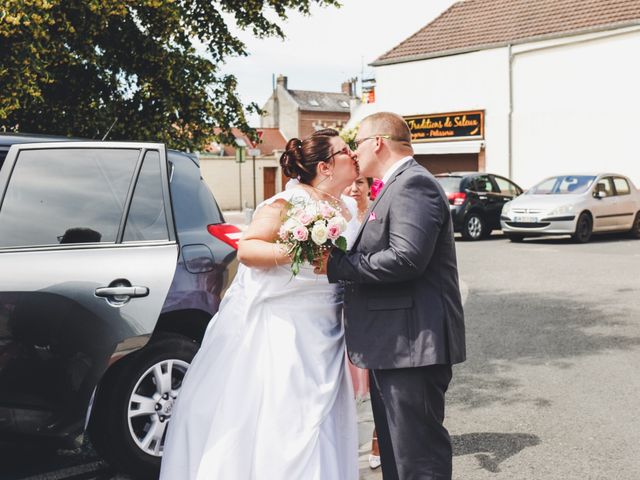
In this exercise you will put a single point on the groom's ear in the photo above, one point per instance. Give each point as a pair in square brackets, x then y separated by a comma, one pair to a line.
[379, 144]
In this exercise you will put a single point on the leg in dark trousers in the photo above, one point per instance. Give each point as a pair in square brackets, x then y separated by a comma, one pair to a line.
[387, 459]
[413, 404]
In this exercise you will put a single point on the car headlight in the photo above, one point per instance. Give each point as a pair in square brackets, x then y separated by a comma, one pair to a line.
[562, 210]
[506, 209]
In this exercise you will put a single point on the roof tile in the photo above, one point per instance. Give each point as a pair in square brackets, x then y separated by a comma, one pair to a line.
[479, 23]
[321, 101]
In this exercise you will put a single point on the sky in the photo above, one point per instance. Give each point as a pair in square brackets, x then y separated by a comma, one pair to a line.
[328, 47]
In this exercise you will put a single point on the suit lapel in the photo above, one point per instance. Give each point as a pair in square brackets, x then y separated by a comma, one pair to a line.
[385, 188]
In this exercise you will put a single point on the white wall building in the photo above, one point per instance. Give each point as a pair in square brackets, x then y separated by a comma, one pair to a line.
[558, 82]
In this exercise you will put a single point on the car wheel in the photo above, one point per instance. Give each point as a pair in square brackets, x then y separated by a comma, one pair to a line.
[635, 229]
[584, 228]
[473, 227]
[516, 238]
[133, 406]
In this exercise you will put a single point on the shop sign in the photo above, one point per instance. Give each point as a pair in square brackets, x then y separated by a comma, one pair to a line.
[446, 126]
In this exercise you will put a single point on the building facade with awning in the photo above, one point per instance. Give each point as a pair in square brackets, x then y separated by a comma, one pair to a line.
[520, 88]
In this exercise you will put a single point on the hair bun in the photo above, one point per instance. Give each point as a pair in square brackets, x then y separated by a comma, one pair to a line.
[292, 160]
[300, 157]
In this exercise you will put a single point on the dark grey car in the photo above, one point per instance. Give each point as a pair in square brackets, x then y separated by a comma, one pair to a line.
[113, 259]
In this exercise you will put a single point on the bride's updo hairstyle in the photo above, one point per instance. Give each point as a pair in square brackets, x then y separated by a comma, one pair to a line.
[300, 157]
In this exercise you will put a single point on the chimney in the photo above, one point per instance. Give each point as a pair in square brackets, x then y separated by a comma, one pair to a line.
[349, 87]
[282, 81]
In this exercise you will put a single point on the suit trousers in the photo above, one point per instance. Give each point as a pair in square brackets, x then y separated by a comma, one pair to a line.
[408, 410]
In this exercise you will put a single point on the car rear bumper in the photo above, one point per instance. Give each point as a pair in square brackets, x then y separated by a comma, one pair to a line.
[546, 226]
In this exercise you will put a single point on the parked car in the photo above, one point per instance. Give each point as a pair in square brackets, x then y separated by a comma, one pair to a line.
[577, 205]
[476, 200]
[113, 259]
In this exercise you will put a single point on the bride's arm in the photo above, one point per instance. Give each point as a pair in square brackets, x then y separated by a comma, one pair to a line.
[257, 248]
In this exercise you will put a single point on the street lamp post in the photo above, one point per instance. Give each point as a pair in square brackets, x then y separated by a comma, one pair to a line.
[241, 146]
[254, 152]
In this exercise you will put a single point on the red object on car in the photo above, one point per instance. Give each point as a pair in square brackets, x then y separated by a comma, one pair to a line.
[456, 198]
[229, 234]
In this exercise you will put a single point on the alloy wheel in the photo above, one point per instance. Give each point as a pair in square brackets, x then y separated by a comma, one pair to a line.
[474, 227]
[151, 404]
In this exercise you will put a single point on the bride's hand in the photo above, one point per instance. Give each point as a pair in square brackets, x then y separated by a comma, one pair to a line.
[320, 263]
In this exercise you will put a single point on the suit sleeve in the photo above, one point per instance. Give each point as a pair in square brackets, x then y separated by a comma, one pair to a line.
[416, 217]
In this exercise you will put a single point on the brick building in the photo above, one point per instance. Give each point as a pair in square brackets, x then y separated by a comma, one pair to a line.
[298, 113]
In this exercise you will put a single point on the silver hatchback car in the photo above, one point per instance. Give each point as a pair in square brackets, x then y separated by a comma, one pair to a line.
[578, 205]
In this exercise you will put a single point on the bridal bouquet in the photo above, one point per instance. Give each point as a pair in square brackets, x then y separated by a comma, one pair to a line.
[309, 228]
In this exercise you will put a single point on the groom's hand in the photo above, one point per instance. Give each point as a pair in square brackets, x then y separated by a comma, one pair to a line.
[320, 264]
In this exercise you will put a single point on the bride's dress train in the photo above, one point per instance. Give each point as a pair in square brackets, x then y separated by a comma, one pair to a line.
[268, 395]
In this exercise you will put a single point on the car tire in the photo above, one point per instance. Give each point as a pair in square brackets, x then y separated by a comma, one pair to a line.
[635, 228]
[584, 228]
[473, 227]
[117, 429]
[516, 238]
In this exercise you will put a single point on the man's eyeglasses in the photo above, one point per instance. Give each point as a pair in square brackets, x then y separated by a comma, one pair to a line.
[384, 135]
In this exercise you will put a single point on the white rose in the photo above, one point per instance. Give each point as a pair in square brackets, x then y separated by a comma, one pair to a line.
[291, 223]
[319, 232]
[311, 209]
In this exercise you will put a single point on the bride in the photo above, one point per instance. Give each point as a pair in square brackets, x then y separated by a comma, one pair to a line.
[268, 395]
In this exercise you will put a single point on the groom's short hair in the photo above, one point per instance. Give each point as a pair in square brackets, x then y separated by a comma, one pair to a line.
[388, 123]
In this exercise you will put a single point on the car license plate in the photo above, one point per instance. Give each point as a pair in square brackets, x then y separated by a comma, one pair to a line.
[525, 219]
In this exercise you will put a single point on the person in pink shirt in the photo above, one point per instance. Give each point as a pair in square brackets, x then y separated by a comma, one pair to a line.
[363, 190]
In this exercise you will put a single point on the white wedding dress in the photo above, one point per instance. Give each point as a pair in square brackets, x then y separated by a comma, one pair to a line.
[268, 396]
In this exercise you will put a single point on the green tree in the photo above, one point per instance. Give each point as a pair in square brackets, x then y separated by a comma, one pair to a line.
[81, 67]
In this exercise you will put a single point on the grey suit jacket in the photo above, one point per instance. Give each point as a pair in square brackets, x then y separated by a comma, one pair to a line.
[402, 300]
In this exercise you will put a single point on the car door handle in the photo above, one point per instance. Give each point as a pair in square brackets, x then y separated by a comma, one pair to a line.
[122, 291]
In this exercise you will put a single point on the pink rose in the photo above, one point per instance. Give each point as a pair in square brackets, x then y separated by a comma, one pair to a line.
[304, 217]
[300, 233]
[334, 231]
[327, 210]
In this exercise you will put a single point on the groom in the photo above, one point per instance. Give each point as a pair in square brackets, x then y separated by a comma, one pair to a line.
[403, 312]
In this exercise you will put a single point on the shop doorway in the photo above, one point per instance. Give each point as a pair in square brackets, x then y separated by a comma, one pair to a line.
[449, 162]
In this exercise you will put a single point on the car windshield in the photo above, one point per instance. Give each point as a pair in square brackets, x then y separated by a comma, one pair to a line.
[450, 184]
[564, 184]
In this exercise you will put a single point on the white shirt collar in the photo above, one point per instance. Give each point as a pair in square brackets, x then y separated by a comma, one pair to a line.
[393, 168]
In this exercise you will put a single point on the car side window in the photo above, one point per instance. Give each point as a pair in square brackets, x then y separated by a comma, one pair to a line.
[147, 220]
[66, 195]
[622, 186]
[605, 185]
[481, 184]
[506, 187]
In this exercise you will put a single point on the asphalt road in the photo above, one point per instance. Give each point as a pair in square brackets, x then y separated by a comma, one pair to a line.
[550, 389]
